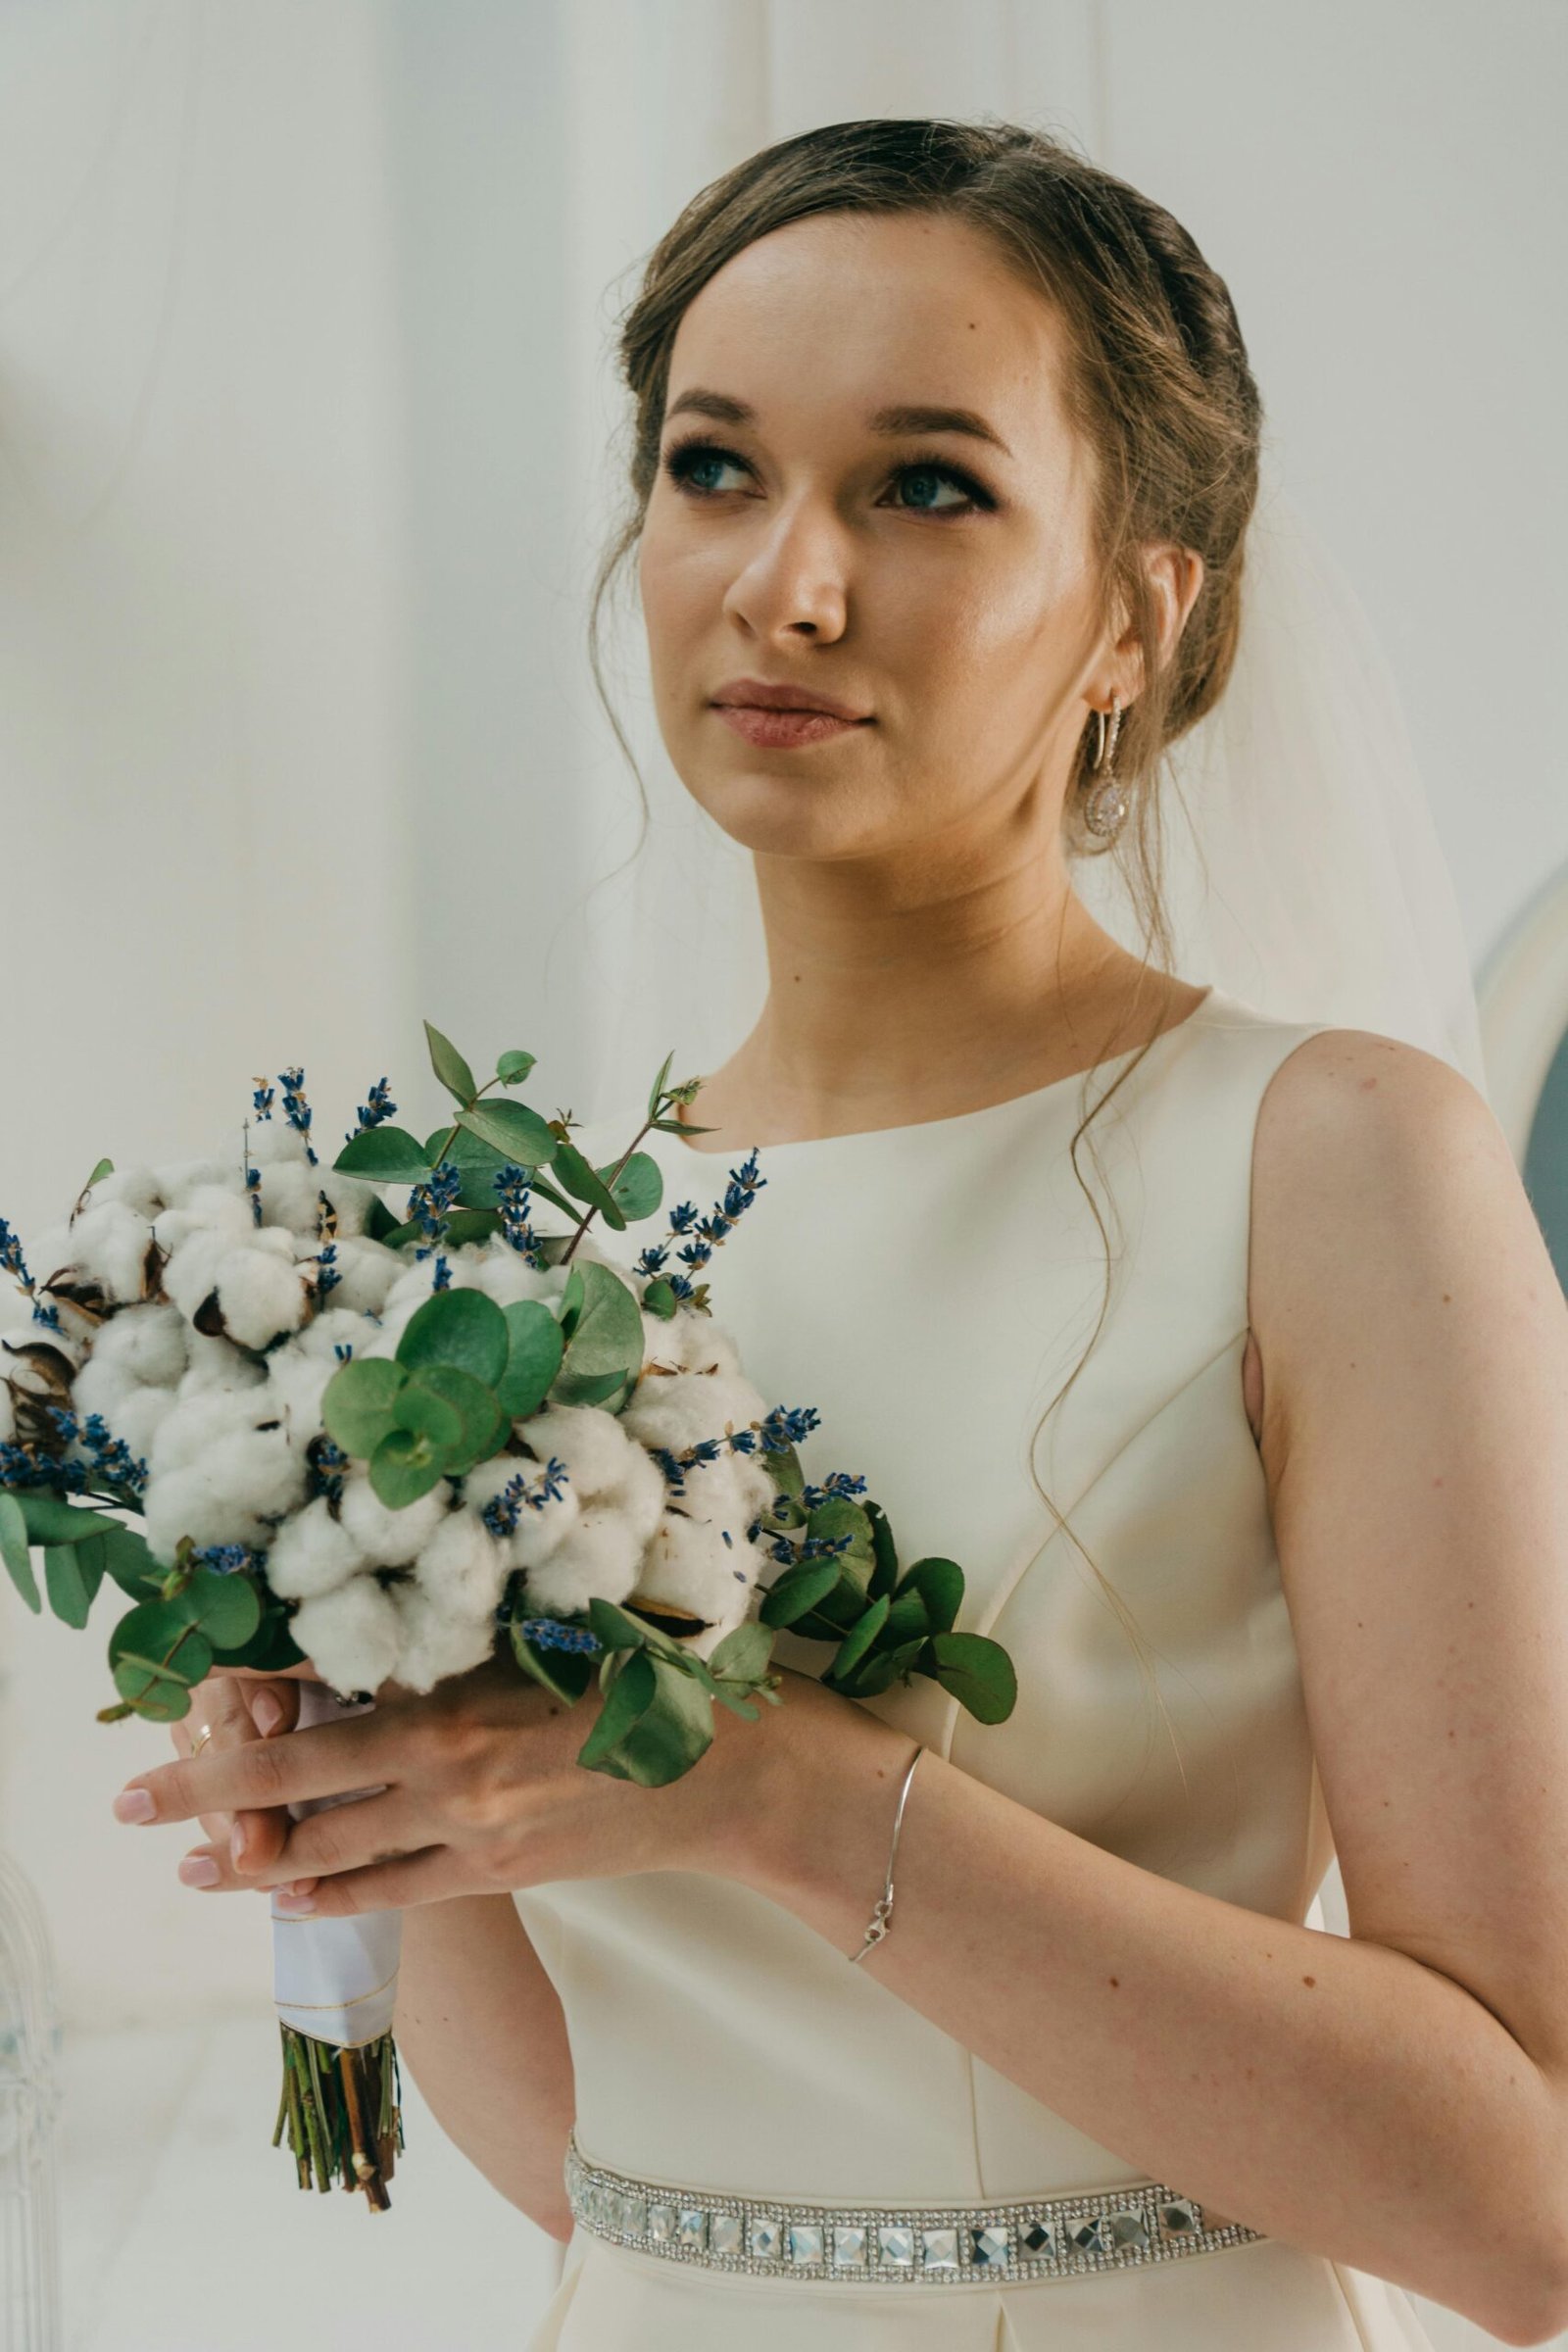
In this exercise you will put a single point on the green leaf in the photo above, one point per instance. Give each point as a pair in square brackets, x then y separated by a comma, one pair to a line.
[668, 1735]
[978, 1673]
[566, 1673]
[568, 1306]
[513, 1068]
[658, 1087]
[449, 1065]
[151, 1690]
[585, 1183]
[908, 1617]
[798, 1590]
[130, 1563]
[628, 1693]
[156, 1653]
[639, 1189]
[462, 1225]
[659, 1298]
[463, 1328]
[356, 1402]
[840, 1515]
[940, 1584]
[483, 1423]
[384, 1155]
[853, 1648]
[881, 1669]
[379, 1219]
[51, 1520]
[536, 1348]
[271, 1647]
[527, 1140]
[784, 1469]
[403, 1468]
[227, 1608]
[884, 1551]
[71, 1575]
[743, 1654]
[105, 1167]
[606, 1343]
[420, 1407]
[14, 1551]
[614, 1628]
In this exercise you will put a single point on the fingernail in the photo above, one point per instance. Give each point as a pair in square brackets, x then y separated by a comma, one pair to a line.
[134, 1804]
[237, 1841]
[199, 1870]
[267, 1714]
[295, 1906]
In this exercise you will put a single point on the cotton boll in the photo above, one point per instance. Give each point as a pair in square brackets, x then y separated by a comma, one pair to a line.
[289, 1196]
[227, 1497]
[137, 1186]
[178, 1179]
[688, 1566]
[691, 1343]
[209, 1209]
[110, 1244]
[678, 1411]
[366, 1271]
[204, 1420]
[259, 1296]
[640, 1493]
[463, 1568]
[216, 1366]
[311, 1554]
[591, 1442]
[390, 1539]
[138, 1417]
[192, 1268]
[147, 1342]
[273, 1143]
[505, 1275]
[353, 1636]
[351, 1196]
[299, 1381]
[597, 1560]
[335, 1325]
[540, 1528]
[436, 1644]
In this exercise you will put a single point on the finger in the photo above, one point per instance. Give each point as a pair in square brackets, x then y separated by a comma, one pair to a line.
[343, 1837]
[433, 1875]
[332, 1759]
[275, 1705]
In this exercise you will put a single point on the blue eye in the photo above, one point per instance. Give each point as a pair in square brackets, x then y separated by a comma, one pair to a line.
[685, 460]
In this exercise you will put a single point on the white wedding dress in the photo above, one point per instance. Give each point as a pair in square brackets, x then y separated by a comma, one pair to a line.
[927, 1289]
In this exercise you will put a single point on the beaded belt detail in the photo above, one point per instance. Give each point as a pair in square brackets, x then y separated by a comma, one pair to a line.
[955, 2245]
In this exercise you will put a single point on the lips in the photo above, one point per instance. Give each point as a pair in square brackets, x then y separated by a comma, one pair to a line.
[760, 694]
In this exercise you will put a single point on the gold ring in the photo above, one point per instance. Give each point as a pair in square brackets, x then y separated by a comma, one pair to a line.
[201, 1739]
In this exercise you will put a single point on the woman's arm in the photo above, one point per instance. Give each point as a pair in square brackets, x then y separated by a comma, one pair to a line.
[1396, 2099]
[480, 2028]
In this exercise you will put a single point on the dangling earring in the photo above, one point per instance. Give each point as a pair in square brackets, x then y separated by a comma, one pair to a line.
[1106, 807]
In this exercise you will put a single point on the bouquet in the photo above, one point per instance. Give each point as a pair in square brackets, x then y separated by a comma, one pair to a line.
[289, 1424]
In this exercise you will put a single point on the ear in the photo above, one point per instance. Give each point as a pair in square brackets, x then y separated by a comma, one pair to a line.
[1175, 576]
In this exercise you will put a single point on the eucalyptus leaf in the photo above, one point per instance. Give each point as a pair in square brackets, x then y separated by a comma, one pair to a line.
[859, 1638]
[884, 1551]
[513, 1068]
[461, 1225]
[881, 1669]
[940, 1584]
[566, 1673]
[670, 1734]
[639, 1189]
[227, 1608]
[536, 1348]
[658, 1087]
[463, 1328]
[402, 1469]
[907, 1616]
[798, 1590]
[384, 1154]
[629, 1691]
[129, 1561]
[484, 1423]
[584, 1182]
[606, 1343]
[449, 1065]
[270, 1648]
[71, 1575]
[14, 1551]
[52, 1520]
[659, 1298]
[743, 1654]
[420, 1407]
[357, 1404]
[978, 1673]
[151, 1690]
[522, 1134]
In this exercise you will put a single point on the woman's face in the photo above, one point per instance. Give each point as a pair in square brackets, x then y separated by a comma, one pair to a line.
[924, 576]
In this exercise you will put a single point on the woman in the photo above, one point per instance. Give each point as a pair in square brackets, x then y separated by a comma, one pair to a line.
[941, 429]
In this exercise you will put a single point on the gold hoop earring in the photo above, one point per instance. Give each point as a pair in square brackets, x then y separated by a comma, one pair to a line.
[1107, 805]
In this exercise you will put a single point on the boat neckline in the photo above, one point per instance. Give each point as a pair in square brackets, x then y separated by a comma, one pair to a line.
[1213, 995]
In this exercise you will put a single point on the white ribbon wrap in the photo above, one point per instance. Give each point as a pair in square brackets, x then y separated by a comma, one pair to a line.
[335, 1979]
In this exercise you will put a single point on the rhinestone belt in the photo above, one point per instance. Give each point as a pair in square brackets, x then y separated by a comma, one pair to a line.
[955, 2245]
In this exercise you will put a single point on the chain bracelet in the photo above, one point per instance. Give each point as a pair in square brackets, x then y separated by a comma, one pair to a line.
[882, 1911]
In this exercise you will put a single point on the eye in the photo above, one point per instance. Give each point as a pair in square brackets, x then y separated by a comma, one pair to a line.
[687, 459]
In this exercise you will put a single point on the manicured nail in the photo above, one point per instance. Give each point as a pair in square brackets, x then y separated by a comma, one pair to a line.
[135, 1804]
[295, 1906]
[199, 1870]
[238, 1838]
[267, 1713]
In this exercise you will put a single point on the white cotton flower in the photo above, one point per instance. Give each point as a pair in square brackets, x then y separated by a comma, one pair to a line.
[311, 1554]
[366, 1271]
[436, 1642]
[148, 1341]
[273, 1143]
[335, 1325]
[390, 1539]
[351, 1196]
[299, 1381]
[110, 1244]
[597, 1558]
[689, 1566]
[211, 1208]
[229, 1495]
[289, 1196]
[204, 1420]
[688, 1341]
[463, 1568]
[107, 1388]
[259, 1295]
[541, 1526]
[591, 1442]
[505, 1275]
[179, 1179]
[192, 1268]
[639, 1495]
[216, 1366]
[679, 1411]
[138, 1417]
[353, 1636]
[137, 1186]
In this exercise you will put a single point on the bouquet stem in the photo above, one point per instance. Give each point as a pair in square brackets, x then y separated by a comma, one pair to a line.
[343, 2114]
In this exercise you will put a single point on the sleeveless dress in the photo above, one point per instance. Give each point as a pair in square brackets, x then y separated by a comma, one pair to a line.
[928, 1289]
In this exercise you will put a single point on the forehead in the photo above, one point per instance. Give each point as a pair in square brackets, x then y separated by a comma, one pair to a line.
[819, 323]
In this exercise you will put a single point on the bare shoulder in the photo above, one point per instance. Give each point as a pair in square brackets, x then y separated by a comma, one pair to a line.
[1375, 1167]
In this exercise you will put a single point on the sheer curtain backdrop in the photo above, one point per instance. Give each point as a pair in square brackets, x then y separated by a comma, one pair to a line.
[307, 446]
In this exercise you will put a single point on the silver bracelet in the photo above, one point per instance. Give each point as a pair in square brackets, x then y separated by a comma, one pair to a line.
[882, 1915]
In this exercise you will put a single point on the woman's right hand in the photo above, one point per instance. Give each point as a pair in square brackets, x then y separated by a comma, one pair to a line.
[241, 1704]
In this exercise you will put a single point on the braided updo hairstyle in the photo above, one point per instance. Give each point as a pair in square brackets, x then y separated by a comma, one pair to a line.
[1157, 381]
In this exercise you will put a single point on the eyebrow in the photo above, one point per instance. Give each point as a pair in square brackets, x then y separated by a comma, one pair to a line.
[723, 408]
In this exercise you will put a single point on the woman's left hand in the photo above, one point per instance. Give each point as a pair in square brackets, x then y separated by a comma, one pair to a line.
[481, 1793]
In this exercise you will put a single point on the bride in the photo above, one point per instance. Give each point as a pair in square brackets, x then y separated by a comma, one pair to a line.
[949, 438]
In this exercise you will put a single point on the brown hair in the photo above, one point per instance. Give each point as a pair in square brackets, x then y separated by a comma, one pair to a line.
[1156, 383]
